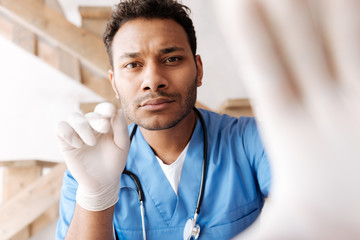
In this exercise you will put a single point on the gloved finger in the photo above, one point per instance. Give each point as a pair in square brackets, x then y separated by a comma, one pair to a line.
[121, 132]
[98, 123]
[105, 109]
[67, 137]
[82, 127]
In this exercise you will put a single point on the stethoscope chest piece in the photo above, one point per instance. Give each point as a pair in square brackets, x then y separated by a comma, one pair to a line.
[191, 229]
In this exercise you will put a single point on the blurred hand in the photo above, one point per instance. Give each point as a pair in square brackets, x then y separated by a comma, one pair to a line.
[300, 61]
[95, 149]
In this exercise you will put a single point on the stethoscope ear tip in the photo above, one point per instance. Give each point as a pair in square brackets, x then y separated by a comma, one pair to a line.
[191, 229]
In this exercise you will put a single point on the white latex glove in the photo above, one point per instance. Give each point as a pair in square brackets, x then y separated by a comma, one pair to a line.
[95, 148]
[300, 61]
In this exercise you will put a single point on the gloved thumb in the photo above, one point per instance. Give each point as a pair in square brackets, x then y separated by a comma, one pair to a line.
[120, 129]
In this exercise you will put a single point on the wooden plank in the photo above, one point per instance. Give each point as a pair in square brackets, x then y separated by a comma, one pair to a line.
[236, 108]
[47, 217]
[6, 27]
[99, 84]
[53, 26]
[96, 26]
[72, 67]
[236, 103]
[22, 235]
[31, 202]
[88, 107]
[25, 39]
[59, 59]
[47, 52]
[27, 163]
[17, 178]
[53, 4]
[69, 65]
[95, 19]
[94, 12]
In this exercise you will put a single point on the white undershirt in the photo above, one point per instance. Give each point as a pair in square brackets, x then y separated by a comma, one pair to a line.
[173, 171]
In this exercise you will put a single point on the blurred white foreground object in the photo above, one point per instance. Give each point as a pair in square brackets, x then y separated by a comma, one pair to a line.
[300, 62]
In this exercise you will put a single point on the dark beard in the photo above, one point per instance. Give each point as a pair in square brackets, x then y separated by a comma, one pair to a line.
[189, 104]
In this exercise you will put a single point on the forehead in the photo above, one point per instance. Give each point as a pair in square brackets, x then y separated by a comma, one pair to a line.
[141, 35]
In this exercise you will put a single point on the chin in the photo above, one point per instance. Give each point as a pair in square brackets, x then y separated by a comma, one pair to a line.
[158, 124]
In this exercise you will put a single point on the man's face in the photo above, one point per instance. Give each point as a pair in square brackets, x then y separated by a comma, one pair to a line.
[155, 73]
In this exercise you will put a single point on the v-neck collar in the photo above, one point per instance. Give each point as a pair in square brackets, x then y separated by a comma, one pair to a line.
[174, 209]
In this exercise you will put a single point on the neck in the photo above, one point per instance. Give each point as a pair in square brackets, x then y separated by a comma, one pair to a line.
[169, 143]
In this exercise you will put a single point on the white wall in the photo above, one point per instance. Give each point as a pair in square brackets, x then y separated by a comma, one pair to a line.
[34, 97]
[221, 80]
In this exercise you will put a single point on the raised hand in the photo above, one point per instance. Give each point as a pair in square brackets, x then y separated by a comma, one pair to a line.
[95, 148]
[300, 62]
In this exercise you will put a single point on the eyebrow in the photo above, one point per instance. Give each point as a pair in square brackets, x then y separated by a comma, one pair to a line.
[171, 49]
[130, 55]
[162, 51]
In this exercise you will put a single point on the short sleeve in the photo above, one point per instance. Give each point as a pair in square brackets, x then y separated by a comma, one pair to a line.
[257, 155]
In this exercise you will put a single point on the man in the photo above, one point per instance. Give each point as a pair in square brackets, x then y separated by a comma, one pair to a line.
[155, 74]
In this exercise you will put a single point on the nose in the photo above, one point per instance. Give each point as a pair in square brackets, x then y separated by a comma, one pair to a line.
[154, 78]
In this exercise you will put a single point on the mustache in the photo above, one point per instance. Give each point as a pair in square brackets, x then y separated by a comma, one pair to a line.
[153, 95]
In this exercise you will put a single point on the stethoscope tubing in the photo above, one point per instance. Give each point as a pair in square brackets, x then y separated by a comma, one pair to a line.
[203, 171]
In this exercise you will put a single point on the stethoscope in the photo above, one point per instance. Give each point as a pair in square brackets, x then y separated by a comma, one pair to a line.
[192, 229]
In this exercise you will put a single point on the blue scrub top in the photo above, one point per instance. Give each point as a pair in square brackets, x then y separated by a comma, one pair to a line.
[237, 180]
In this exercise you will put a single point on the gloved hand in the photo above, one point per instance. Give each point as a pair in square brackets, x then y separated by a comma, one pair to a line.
[95, 148]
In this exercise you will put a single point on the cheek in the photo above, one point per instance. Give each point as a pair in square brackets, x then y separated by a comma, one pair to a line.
[184, 77]
[125, 97]
[191, 79]
[123, 93]
[125, 88]
[128, 96]
[126, 106]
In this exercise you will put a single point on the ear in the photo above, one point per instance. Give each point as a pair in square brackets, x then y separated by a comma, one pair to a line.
[200, 72]
[113, 84]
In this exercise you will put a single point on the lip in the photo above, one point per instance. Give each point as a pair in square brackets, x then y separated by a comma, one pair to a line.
[156, 103]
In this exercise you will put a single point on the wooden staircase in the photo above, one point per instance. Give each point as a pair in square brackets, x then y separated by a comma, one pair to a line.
[30, 198]
[76, 51]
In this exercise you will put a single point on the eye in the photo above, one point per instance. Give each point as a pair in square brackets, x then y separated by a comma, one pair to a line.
[132, 65]
[173, 59]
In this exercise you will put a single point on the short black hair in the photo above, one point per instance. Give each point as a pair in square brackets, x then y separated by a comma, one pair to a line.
[149, 9]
